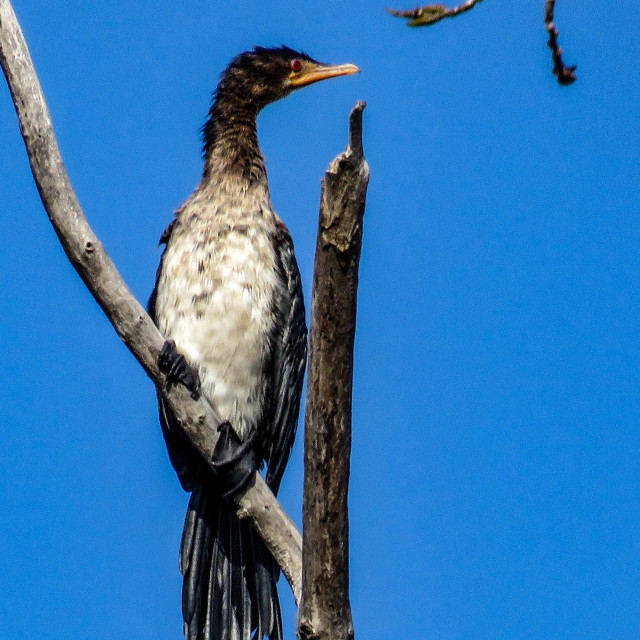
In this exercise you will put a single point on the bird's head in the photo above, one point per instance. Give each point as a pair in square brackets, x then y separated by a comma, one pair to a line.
[261, 76]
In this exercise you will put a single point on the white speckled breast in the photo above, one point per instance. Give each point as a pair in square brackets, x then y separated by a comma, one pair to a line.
[215, 298]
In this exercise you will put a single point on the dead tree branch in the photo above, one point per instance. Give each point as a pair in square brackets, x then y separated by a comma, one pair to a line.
[325, 612]
[128, 317]
[432, 13]
[566, 75]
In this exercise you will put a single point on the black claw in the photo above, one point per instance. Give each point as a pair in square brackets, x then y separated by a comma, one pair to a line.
[234, 461]
[177, 369]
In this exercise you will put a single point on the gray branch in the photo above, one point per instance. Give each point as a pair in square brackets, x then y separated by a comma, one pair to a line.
[325, 612]
[128, 317]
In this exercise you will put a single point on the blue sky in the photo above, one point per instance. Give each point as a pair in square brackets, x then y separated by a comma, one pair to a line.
[495, 486]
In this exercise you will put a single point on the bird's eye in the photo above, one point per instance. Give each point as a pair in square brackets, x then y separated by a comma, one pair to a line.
[296, 65]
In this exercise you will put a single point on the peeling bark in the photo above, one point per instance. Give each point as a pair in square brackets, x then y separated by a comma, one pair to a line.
[325, 611]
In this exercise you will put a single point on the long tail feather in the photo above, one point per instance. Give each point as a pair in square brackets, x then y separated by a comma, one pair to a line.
[229, 589]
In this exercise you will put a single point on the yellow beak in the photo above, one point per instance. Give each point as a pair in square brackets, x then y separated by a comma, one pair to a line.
[315, 72]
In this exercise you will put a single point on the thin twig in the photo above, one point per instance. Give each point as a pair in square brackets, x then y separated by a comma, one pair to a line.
[565, 74]
[432, 13]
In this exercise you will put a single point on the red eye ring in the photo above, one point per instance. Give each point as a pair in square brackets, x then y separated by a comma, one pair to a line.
[296, 65]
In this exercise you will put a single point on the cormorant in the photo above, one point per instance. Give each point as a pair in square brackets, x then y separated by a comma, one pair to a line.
[228, 299]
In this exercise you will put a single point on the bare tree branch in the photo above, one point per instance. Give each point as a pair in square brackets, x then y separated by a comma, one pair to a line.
[566, 75]
[129, 319]
[325, 612]
[432, 13]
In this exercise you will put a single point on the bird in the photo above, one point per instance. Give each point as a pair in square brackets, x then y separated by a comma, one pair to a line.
[228, 300]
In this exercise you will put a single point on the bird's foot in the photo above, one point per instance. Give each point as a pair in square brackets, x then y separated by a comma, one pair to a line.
[177, 369]
[234, 461]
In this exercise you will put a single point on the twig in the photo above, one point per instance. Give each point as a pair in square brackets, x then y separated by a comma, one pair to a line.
[432, 13]
[129, 319]
[325, 612]
[565, 74]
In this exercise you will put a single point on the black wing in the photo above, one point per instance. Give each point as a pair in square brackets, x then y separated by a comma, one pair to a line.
[183, 455]
[290, 356]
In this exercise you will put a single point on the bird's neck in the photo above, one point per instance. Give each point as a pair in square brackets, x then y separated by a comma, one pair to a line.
[231, 146]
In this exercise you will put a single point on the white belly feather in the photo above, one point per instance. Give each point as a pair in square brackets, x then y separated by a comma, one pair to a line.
[215, 300]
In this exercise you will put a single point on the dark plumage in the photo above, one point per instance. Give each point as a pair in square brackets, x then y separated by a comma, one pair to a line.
[258, 74]
[228, 292]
